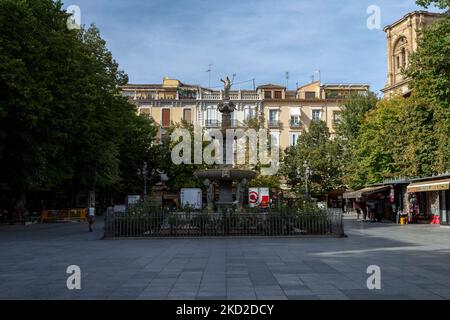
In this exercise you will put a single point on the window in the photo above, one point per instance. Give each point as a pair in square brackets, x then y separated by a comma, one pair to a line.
[248, 113]
[295, 121]
[187, 115]
[276, 136]
[187, 94]
[295, 116]
[310, 95]
[336, 117]
[273, 115]
[315, 115]
[211, 117]
[293, 139]
[403, 58]
[165, 118]
[267, 94]
[332, 94]
[277, 94]
[400, 54]
[273, 118]
[211, 114]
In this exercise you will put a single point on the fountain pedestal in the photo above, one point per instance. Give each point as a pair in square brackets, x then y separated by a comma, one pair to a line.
[226, 174]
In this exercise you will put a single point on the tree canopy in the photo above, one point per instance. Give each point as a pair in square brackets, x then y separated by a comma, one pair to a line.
[429, 71]
[63, 122]
[442, 4]
[320, 153]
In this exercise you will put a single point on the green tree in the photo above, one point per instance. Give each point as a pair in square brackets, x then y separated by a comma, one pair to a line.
[395, 139]
[442, 4]
[429, 71]
[377, 145]
[354, 111]
[179, 175]
[322, 156]
[268, 181]
[139, 147]
[36, 52]
[63, 122]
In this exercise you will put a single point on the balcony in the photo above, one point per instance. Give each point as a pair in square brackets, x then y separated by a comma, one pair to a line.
[274, 124]
[213, 96]
[295, 124]
[212, 123]
[216, 96]
[250, 96]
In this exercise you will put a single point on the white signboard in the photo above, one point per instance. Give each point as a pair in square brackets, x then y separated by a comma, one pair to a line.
[133, 199]
[258, 197]
[191, 197]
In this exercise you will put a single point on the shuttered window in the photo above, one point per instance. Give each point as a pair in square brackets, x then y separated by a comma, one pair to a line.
[165, 117]
[187, 115]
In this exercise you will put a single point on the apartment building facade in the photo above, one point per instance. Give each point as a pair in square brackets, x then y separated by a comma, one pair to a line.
[286, 113]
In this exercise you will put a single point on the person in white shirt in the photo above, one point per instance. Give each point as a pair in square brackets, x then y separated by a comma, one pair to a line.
[91, 218]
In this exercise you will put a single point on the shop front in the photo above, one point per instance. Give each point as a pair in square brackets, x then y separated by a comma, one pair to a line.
[429, 200]
[374, 203]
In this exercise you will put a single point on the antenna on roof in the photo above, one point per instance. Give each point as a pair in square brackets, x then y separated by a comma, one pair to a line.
[209, 74]
[320, 76]
[254, 84]
[287, 80]
[234, 76]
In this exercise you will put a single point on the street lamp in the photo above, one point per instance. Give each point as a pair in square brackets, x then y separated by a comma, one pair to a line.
[143, 172]
[307, 175]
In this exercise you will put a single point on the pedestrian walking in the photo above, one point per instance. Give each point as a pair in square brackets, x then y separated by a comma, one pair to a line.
[91, 218]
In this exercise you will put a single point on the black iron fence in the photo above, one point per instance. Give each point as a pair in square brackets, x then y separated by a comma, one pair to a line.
[183, 224]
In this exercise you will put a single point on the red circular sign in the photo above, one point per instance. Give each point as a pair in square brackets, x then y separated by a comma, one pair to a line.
[253, 197]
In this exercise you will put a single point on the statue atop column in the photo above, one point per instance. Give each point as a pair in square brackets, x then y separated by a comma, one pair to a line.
[226, 88]
[226, 106]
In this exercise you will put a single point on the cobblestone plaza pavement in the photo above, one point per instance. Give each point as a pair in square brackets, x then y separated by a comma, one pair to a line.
[414, 262]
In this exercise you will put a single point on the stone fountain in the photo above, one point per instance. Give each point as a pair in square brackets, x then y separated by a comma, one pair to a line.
[225, 175]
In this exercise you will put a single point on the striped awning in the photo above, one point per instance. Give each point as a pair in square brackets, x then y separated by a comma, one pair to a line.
[429, 185]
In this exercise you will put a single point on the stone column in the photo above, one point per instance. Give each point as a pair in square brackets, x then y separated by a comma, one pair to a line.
[209, 194]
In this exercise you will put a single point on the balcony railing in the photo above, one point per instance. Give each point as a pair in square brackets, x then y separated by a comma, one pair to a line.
[233, 96]
[212, 123]
[295, 124]
[274, 123]
[250, 96]
[213, 96]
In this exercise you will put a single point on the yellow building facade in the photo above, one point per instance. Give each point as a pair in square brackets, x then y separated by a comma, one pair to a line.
[286, 113]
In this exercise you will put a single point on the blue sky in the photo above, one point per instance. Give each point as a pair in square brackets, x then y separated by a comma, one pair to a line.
[253, 39]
